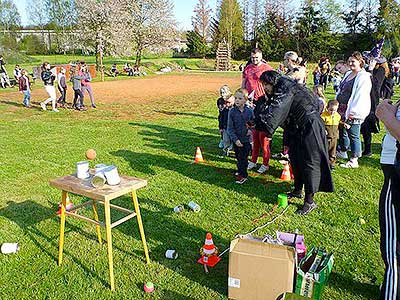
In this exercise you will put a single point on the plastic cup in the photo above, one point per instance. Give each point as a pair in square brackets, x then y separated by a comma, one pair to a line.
[194, 206]
[282, 200]
[171, 254]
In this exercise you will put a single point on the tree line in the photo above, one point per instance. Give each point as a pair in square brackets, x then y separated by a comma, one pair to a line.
[314, 29]
[129, 27]
[103, 27]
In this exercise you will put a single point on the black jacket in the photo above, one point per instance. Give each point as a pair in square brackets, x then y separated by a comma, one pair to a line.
[48, 77]
[295, 108]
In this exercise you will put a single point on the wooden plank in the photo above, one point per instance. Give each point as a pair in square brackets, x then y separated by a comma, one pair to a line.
[72, 184]
[84, 218]
[123, 209]
[122, 220]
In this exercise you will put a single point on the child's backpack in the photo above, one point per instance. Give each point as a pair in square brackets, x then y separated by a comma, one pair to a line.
[387, 89]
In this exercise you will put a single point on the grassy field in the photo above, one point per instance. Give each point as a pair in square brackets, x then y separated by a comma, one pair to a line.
[38, 146]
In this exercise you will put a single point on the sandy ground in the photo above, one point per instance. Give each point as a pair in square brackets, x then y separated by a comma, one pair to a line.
[139, 90]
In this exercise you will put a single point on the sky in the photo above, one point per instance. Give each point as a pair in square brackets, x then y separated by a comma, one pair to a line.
[183, 11]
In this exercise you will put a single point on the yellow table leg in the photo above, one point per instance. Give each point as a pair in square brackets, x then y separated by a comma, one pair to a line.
[141, 229]
[109, 242]
[96, 218]
[62, 226]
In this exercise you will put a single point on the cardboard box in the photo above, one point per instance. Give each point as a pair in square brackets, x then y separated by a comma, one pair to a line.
[260, 271]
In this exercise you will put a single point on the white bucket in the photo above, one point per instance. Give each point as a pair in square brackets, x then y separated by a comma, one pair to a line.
[112, 176]
[8, 248]
[82, 169]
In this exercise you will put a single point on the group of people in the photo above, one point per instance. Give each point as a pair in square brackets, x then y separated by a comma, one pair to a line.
[128, 69]
[316, 131]
[79, 76]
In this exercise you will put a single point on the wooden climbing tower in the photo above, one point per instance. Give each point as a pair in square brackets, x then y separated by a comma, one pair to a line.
[223, 59]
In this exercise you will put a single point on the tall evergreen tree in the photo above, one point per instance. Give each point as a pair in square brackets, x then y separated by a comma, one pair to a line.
[388, 26]
[231, 25]
[197, 46]
[312, 33]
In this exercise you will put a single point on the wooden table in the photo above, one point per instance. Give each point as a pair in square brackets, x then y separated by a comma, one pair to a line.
[103, 195]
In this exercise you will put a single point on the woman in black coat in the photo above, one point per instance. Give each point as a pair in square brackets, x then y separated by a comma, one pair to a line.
[295, 108]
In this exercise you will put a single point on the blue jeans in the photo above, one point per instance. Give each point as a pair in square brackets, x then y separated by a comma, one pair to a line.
[27, 98]
[351, 138]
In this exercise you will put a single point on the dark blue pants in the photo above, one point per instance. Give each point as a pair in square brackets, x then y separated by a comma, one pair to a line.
[242, 156]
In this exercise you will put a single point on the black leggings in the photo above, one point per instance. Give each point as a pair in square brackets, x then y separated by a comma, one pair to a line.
[389, 220]
[79, 103]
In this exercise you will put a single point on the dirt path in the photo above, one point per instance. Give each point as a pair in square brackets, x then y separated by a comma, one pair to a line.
[139, 90]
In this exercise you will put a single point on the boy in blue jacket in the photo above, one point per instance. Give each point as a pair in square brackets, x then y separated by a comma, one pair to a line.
[240, 119]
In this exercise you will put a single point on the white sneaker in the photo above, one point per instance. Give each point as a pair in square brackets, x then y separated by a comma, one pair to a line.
[262, 169]
[43, 106]
[221, 144]
[342, 154]
[351, 164]
[251, 165]
[55, 110]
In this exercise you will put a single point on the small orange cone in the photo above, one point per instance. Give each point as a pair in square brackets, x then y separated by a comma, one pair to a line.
[208, 253]
[198, 158]
[286, 173]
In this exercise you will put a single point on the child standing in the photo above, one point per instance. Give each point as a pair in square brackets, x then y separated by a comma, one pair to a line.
[62, 87]
[316, 75]
[77, 87]
[86, 86]
[239, 119]
[331, 120]
[223, 125]
[25, 88]
[225, 93]
[319, 92]
[48, 79]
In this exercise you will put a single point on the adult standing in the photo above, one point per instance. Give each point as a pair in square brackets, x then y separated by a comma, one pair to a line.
[354, 92]
[294, 69]
[48, 79]
[379, 69]
[251, 82]
[86, 86]
[295, 108]
[4, 79]
[252, 72]
[325, 68]
[389, 201]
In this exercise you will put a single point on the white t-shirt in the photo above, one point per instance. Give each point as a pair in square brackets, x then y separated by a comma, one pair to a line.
[389, 149]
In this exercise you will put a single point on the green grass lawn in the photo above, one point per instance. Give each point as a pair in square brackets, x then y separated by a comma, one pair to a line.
[159, 146]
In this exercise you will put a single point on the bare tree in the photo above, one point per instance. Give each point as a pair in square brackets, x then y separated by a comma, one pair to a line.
[62, 17]
[38, 15]
[102, 24]
[201, 19]
[9, 16]
[152, 23]
[246, 20]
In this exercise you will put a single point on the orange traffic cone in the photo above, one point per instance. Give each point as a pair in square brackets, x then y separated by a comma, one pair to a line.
[198, 158]
[209, 253]
[286, 173]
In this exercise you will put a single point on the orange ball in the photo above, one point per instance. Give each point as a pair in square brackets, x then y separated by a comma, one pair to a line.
[90, 154]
